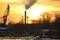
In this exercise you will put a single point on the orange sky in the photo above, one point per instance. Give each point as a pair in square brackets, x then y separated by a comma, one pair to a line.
[17, 7]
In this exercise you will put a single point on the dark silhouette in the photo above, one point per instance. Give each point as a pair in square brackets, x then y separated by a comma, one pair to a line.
[5, 16]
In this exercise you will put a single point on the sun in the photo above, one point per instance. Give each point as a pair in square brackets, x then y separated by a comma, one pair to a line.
[35, 12]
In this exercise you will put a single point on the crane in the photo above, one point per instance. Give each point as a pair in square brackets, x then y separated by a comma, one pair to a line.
[5, 16]
[3, 27]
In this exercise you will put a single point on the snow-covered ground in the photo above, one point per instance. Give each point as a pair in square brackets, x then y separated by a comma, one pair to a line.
[48, 39]
[28, 39]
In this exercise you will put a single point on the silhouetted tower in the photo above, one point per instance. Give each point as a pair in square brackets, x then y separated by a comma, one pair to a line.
[5, 15]
[25, 17]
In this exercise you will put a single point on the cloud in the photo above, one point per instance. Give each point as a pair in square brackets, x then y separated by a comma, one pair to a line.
[31, 2]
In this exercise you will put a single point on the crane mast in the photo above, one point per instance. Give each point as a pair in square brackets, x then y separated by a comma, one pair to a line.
[6, 15]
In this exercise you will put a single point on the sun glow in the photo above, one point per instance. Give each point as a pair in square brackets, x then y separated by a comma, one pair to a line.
[9, 0]
[35, 11]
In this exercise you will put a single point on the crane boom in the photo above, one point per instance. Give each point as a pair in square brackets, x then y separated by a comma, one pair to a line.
[6, 14]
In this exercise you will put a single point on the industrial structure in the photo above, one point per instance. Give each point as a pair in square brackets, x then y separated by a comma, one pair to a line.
[27, 29]
[5, 16]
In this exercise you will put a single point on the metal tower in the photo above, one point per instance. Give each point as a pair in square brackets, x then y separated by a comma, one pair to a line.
[6, 15]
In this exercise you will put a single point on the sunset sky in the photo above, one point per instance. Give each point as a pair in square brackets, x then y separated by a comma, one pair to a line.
[18, 7]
